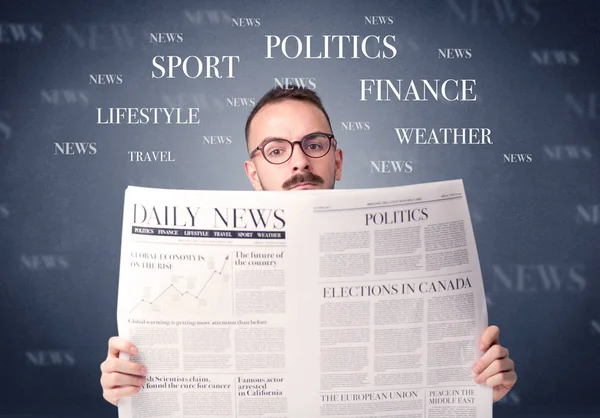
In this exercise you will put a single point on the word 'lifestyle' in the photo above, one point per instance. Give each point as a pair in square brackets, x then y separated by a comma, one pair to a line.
[146, 115]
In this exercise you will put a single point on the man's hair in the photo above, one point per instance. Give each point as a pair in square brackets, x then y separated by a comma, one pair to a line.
[278, 94]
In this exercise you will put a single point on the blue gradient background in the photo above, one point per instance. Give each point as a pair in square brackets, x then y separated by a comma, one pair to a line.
[525, 215]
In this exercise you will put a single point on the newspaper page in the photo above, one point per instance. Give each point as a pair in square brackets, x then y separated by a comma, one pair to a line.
[345, 303]
[203, 293]
[394, 305]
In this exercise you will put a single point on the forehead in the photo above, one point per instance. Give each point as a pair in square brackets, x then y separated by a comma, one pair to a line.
[289, 119]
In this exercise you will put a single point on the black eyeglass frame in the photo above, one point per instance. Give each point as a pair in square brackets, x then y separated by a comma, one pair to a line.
[261, 148]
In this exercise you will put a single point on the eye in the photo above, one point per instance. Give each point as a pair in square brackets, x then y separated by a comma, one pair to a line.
[275, 152]
[314, 146]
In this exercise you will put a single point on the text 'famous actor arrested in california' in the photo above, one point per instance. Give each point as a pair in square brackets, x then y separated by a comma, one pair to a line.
[292, 147]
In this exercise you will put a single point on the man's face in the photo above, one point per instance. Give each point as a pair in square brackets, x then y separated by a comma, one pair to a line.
[292, 120]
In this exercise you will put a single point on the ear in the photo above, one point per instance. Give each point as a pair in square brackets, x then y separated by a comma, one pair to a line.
[252, 174]
[339, 158]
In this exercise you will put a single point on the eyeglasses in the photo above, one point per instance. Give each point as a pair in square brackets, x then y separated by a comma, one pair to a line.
[279, 151]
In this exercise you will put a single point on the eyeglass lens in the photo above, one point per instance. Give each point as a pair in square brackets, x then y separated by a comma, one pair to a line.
[314, 146]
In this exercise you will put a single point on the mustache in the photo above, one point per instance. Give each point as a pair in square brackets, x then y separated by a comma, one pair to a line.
[307, 177]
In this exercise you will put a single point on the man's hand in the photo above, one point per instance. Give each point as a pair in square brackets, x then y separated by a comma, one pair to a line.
[120, 378]
[494, 368]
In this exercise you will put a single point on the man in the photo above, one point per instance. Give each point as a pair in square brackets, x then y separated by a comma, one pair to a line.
[282, 119]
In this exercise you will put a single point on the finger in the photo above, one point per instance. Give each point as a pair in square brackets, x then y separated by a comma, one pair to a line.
[506, 379]
[120, 365]
[489, 337]
[114, 395]
[113, 380]
[116, 344]
[497, 366]
[495, 352]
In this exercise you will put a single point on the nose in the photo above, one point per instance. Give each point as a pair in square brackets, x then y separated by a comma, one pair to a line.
[299, 160]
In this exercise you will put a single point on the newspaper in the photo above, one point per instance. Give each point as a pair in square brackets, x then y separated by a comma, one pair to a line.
[325, 303]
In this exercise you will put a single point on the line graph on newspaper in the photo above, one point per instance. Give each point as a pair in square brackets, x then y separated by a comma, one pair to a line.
[204, 291]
